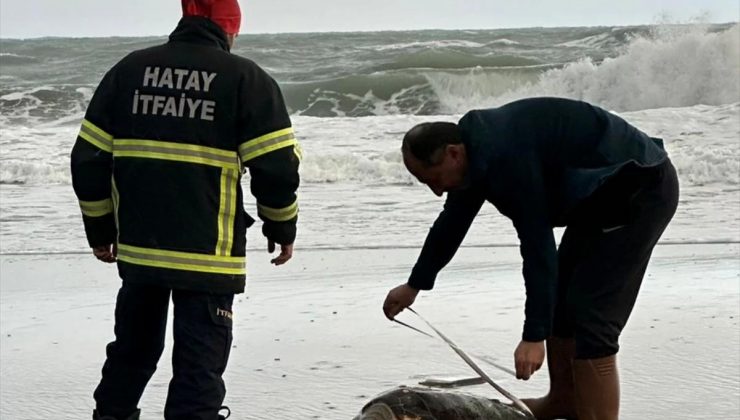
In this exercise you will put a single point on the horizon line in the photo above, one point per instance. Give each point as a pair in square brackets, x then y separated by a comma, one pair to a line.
[40, 37]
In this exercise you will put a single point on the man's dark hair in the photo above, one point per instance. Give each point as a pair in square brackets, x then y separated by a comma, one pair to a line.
[424, 141]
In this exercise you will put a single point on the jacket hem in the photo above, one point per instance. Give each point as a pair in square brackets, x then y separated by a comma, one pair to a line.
[181, 279]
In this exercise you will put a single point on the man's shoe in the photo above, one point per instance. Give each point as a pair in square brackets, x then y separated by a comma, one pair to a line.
[228, 413]
[133, 416]
[97, 416]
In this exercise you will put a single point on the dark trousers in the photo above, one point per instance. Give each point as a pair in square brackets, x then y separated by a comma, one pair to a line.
[202, 340]
[604, 253]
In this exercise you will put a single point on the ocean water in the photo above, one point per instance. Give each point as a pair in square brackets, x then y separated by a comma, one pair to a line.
[353, 95]
[311, 342]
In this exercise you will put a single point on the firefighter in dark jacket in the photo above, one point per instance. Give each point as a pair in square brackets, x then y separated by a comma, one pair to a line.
[157, 169]
[545, 163]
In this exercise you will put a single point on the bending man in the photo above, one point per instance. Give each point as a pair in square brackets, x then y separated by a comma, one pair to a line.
[545, 163]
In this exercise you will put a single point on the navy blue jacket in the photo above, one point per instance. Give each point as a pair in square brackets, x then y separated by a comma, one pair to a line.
[535, 160]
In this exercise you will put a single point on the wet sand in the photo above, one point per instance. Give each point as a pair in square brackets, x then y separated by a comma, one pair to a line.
[311, 341]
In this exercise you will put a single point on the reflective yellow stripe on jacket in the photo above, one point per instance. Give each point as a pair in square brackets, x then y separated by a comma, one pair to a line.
[182, 260]
[227, 160]
[96, 136]
[279, 215]
[227, 211]
[116, 199]
[96, 208]
[259, 146]
[190, 153]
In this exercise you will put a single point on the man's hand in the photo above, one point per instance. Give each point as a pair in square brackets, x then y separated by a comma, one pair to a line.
[286, 252]
[528, 358]
[399, 299]
[106, 253]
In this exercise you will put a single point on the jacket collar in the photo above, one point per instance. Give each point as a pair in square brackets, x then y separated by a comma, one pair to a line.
[199, 30]
[479, 144]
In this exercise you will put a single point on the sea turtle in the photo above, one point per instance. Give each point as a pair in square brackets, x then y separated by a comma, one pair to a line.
[414, 403]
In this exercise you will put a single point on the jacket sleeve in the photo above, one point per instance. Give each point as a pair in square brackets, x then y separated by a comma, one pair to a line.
[270, 151]
[528, 207]
[92, 166]
[445, 237]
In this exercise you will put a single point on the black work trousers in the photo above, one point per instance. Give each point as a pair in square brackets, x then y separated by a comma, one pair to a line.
[604, 253]
[202, 340]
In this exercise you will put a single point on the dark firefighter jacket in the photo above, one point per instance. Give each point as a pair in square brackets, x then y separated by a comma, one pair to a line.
[535, 160]
[160, 155]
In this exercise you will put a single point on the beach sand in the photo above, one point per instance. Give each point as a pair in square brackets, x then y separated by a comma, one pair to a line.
[311, 341]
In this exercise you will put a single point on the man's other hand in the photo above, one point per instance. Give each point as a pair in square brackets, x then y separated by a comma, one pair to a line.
[286, 252]
[528, 358]
[106, 253]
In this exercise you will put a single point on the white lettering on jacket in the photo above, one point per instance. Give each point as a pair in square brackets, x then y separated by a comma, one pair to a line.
[179, 106]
